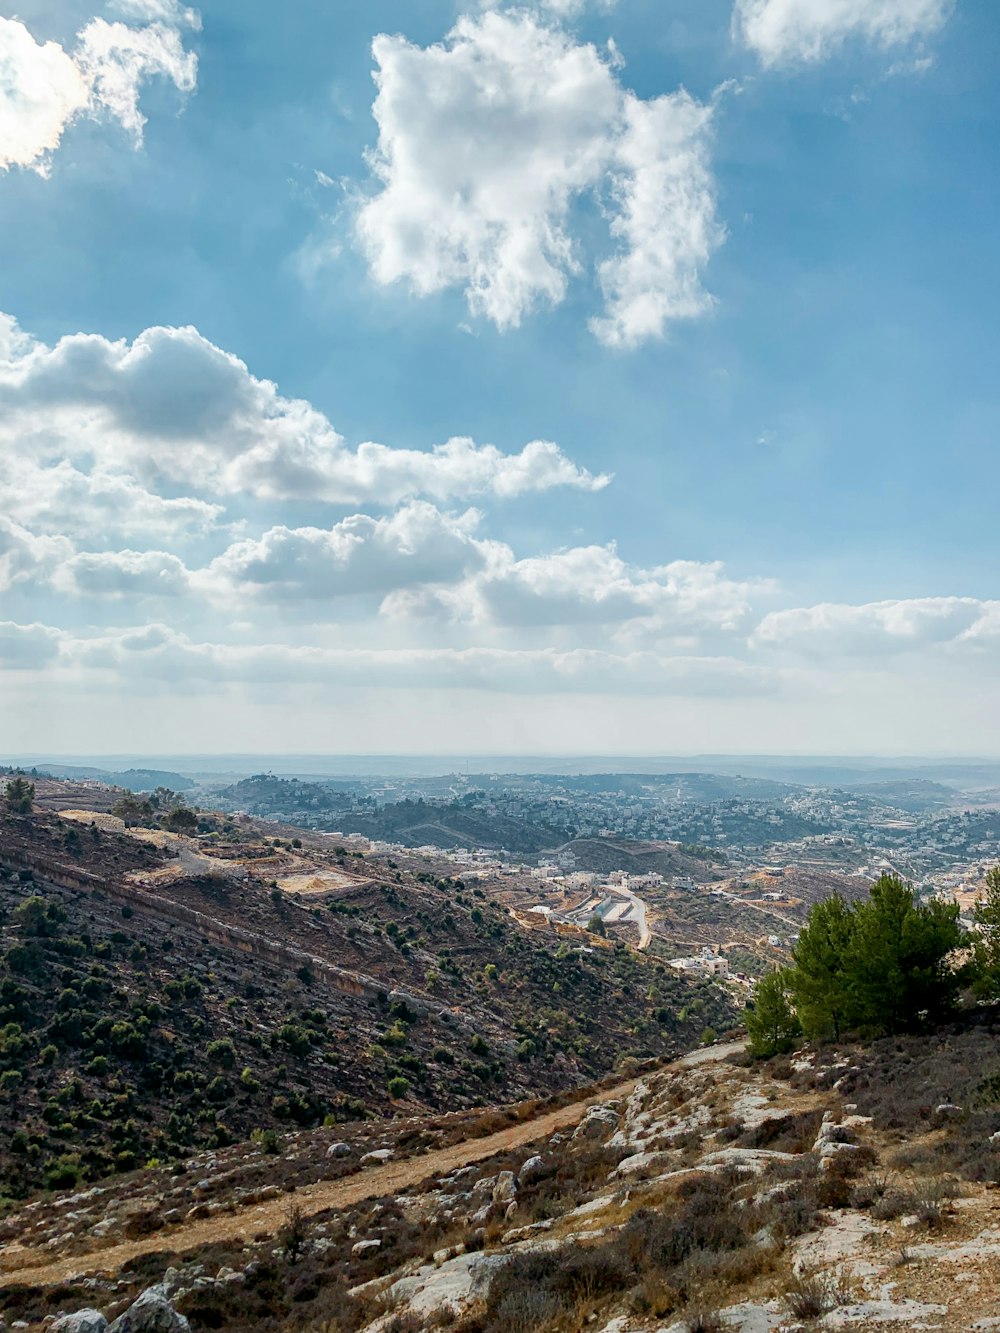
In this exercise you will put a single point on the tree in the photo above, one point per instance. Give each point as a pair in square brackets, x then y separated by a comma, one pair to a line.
[901, 972]
[986, 949]
[819, 982]
[881, 965]
[596, 926]
[182, 820]
[771, 1024]
[132, 810]
[19, 795]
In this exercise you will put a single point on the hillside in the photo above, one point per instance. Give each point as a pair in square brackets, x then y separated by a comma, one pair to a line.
[832, 1189]
[602, 855]
[452, 824]
[178, 996]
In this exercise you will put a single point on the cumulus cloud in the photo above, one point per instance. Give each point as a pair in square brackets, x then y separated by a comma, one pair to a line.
[81, 501]
[26, 647]
[44, 87]
[591, 586]
[666, 221]
[121, 574]
[42, 561]
[26, 557]
[797, 31]
[878, 628]
[486, 142]
[173, 405]
[416, 546]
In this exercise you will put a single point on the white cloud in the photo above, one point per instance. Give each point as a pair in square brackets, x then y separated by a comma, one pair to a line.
[486, 142]
[44, 88]
[25, 647]
[116, 60]
[878, 628]
[591, 586]
[158, 652]
[86, 500]
[416, 546]
[666, 220]
[795, 31]
[121, 574]
[26, 557]
[41, 90]
[173, 406]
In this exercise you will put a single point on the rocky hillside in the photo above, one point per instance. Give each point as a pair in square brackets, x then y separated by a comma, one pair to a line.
[800, 1194]
[160, 998]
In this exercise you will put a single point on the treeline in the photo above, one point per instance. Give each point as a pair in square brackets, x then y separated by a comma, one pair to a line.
[887, 964]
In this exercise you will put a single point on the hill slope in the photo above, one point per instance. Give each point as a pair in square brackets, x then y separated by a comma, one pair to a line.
[157, 1000]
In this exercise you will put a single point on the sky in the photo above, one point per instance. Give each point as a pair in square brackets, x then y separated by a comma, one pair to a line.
[581, 376]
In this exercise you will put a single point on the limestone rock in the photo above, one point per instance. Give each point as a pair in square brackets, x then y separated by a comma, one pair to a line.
[600, 1122]
[505, 1188]
[84, 1321]
[535, 1167]
[366, 1246]
[151, 1313]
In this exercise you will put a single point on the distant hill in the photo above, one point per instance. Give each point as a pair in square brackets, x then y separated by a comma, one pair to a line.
[915, 795]
[602, 855]
[453, 824]
[148, 779]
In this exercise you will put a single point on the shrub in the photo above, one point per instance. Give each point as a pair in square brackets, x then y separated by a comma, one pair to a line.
[398, 1087]
[222, 1052]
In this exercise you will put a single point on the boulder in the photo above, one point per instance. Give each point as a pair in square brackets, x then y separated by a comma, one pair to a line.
[535, 1167]
[829, 1152]
[378, 1155]
[366, 1246]
[339, 1150]
[600, 1122]
[505, 1189]
[84, 1321]
[151, 1313]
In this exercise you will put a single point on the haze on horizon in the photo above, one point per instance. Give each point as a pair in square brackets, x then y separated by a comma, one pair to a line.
[560, 378]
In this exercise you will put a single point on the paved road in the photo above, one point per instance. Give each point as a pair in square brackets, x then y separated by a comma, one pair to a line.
[638, 916]
[35, 1267]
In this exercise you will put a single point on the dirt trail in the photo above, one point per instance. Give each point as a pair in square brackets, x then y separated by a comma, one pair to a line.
[36, 1267]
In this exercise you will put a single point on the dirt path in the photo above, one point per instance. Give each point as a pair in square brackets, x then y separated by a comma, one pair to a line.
[36, 1268]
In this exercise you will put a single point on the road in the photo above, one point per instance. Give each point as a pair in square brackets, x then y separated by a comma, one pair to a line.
[36, 1267]
[638, 917]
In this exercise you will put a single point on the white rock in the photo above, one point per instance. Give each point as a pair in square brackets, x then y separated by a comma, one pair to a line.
[882, 1312]
[365, 1246]
[531, 1169]
[339, 1150]
[505, 1188]
[378, 1155]
[452, 1285]
[84, 1321]
[151, 1313]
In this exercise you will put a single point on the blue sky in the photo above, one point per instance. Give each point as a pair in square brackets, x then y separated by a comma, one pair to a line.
[788, 367]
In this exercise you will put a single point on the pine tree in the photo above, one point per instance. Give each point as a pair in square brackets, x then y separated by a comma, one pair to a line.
[986, 915]
[19, 795]
[819, 982]
[771, 1024]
